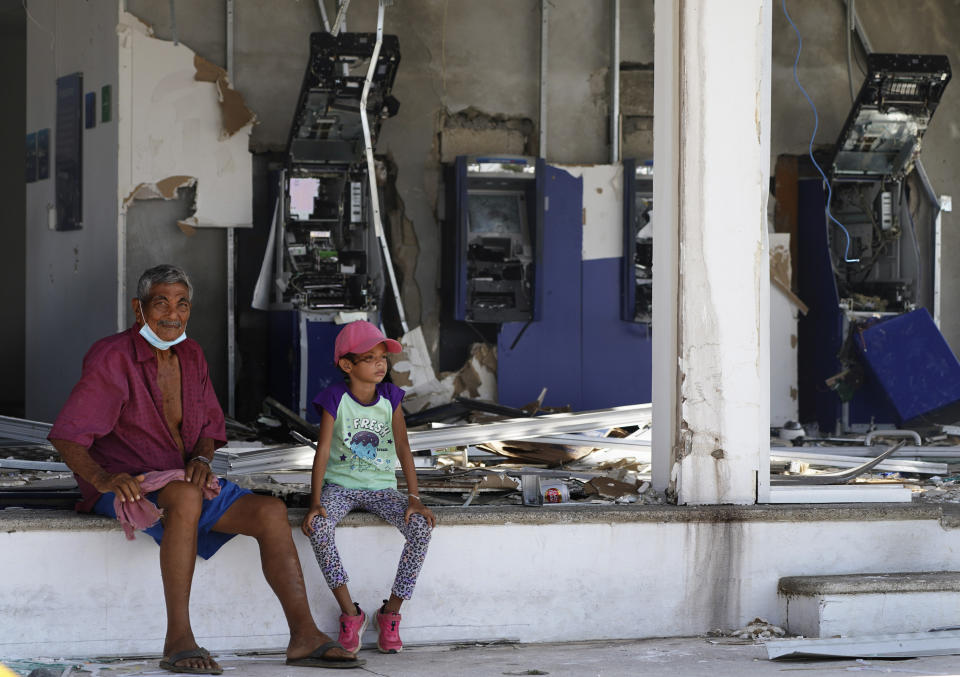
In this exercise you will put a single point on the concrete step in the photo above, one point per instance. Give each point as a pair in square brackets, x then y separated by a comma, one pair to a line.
[869, 604]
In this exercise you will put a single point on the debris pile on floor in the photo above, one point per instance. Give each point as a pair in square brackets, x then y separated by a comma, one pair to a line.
[467, 452]
[757, 629]
[475, 452]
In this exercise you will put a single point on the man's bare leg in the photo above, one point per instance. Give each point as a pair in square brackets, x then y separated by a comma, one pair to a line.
[181, 502]
[265, 519]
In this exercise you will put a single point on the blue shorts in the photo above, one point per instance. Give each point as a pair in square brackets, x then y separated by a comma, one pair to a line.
[208, 542]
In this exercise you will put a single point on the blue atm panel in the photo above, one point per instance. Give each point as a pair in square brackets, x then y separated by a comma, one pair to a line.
[623, 349]
[546, 353]
[320, 370]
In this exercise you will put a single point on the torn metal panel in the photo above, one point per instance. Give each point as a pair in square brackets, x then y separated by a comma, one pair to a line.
[24, 430]
[181, 124]
[838, 477]
[836, 461]
[17, 464]
[526, 428]
[903, 645]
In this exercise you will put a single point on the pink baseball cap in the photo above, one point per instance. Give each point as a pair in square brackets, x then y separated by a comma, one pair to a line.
[359, 337]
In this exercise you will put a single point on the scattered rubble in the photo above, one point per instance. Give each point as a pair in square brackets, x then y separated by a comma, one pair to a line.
[757, 629]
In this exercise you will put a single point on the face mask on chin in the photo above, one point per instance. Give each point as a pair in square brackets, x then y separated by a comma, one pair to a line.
[151, 337]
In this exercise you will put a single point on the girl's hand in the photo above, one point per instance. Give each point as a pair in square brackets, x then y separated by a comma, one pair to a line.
[308, 520]
[415, 507]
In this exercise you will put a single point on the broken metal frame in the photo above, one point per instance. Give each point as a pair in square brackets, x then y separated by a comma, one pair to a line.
[841, 477]
[527, 428]
[800, 454]
[907, 451]
[34, 432]
[16, 464]
[551, 425]
[371, 166]
[941, 203]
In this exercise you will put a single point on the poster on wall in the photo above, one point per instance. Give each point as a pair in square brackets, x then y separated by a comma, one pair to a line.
[68, 161]
[43, 154]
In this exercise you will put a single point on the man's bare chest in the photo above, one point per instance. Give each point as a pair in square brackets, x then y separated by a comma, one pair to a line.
[169, 382]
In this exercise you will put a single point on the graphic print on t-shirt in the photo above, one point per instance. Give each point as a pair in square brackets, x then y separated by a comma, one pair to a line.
[363, 453]
[364, 438]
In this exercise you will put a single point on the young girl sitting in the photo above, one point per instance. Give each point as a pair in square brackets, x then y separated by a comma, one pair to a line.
[361, 438]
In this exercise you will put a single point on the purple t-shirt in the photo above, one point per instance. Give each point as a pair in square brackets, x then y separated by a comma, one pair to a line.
[116, 409]
[363, 454]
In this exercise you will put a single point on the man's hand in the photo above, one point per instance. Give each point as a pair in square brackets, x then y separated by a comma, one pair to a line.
[415, 507]
[126, 487]
[314, 511]
[199, 472]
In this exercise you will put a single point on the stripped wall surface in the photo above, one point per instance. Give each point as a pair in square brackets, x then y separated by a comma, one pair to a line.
[181, 124]
[175, 123]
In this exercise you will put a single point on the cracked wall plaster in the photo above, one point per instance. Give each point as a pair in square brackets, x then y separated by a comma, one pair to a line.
[180, 123]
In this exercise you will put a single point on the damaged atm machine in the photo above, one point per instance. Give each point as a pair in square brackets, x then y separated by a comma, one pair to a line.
[324, 251]
[870, 351]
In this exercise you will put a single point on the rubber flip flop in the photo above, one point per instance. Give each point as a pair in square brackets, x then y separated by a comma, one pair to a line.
[170, 664]
[316, 659]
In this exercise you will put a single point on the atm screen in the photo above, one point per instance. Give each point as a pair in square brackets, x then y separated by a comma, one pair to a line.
[302, 193]
[496, 212]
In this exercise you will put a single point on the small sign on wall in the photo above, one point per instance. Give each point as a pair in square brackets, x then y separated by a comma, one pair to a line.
[90, 110]
[106, 101]
[31, 165]
[43, 154]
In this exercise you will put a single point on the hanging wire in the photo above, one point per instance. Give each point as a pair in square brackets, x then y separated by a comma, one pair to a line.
[173, 23]
[816, 126]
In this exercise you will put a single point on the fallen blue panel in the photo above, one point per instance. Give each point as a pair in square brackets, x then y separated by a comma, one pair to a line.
[914, 365]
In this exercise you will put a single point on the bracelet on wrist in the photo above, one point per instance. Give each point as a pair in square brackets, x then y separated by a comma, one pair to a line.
[414, 496]
[202, 459]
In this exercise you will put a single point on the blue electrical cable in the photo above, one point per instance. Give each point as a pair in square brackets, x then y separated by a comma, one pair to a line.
[816, 125]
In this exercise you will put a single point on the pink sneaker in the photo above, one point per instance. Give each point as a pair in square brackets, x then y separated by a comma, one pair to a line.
[388, 628]
[351, 629]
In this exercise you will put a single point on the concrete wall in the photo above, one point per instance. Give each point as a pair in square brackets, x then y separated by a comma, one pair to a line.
[612, 575]
[71, 276]
[13, 71]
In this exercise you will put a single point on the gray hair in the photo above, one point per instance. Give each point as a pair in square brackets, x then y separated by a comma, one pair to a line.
[162, 274]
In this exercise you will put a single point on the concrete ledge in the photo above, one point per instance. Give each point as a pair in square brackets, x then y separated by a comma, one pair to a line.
[12, 520]
[852, 584]
[72, 585]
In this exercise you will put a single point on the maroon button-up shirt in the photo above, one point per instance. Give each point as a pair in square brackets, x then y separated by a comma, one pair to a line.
[116, 409]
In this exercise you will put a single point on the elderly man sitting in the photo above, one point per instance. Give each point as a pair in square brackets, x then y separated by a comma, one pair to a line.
[144, 414]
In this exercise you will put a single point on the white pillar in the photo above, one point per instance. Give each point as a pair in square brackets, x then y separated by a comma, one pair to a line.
[711, 272]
